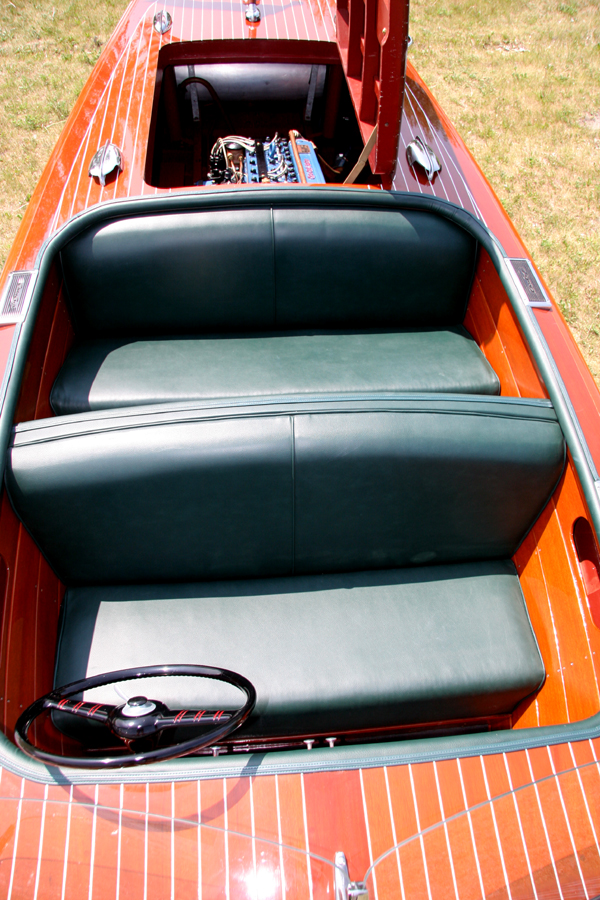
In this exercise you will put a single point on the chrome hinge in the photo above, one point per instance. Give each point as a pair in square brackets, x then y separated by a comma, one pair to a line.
[16, 297]
[344, 888]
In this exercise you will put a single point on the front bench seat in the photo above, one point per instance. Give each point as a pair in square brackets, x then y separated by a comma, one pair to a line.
[295, 518]
[326, 653]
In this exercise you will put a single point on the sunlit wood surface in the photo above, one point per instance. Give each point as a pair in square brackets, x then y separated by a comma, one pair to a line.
[519, 825]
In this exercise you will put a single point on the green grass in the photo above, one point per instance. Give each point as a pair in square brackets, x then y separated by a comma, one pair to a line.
[47, 51]
[521, 80]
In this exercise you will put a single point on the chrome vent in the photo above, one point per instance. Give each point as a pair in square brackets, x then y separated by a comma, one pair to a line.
[16, 297]
[530, 288]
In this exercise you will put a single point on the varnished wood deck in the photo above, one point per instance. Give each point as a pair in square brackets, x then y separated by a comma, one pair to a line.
[521, 825]
[468, 828]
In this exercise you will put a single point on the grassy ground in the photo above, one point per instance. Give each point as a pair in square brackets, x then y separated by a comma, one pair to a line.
[520, 79]
[47, 51]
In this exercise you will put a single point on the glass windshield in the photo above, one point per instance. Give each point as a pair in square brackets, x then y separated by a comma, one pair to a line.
[539, 839]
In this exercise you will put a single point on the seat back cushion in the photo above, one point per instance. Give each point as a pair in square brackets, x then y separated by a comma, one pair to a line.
[188, 494]
[325, 652]
[253, 269]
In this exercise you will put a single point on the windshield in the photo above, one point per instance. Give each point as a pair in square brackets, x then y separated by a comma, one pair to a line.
[539, 839]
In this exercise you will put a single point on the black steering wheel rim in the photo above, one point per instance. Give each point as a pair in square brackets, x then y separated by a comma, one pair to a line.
[162, 754]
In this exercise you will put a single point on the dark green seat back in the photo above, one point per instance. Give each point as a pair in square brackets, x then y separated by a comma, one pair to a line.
[184, 494]
[258, 269]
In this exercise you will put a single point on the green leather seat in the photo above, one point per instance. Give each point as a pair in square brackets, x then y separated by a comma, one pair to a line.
[328, 511]
[105, 374]
[325, 652]
[192, 306]
[280, 540]
[267, 268]
[155, 494]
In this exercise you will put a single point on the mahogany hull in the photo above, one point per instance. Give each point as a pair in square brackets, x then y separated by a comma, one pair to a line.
[517, 824]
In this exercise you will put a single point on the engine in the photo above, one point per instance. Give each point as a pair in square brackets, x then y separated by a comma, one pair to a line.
[241, 160]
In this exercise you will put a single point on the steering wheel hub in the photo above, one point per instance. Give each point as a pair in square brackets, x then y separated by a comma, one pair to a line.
[138, 706]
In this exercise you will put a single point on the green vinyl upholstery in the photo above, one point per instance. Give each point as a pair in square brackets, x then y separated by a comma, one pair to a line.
[277, 451]
[268, 301]
[106, 374]
[325, 652]
[192, 493]
[245, 270]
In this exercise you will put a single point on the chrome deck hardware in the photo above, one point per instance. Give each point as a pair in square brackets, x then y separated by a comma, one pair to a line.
[16, 296]
[344, 888]
[162, 21]
[528, 284]
[252, 14]
[418, 153]
[105, 160]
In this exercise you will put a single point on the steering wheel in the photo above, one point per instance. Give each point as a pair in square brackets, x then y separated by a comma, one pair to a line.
[138, 718]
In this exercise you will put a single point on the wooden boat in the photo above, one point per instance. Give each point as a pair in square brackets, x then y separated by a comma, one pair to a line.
[326, 430]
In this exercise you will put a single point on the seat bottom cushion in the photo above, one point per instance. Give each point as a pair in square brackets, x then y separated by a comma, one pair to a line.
[326, 653]
[107, 374]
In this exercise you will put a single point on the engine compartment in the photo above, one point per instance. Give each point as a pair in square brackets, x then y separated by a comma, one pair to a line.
[240, 120]
[239, 160]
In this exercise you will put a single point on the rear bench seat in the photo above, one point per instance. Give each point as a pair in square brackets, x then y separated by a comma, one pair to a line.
[108, 374]
[351, 557]
[268, 301]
